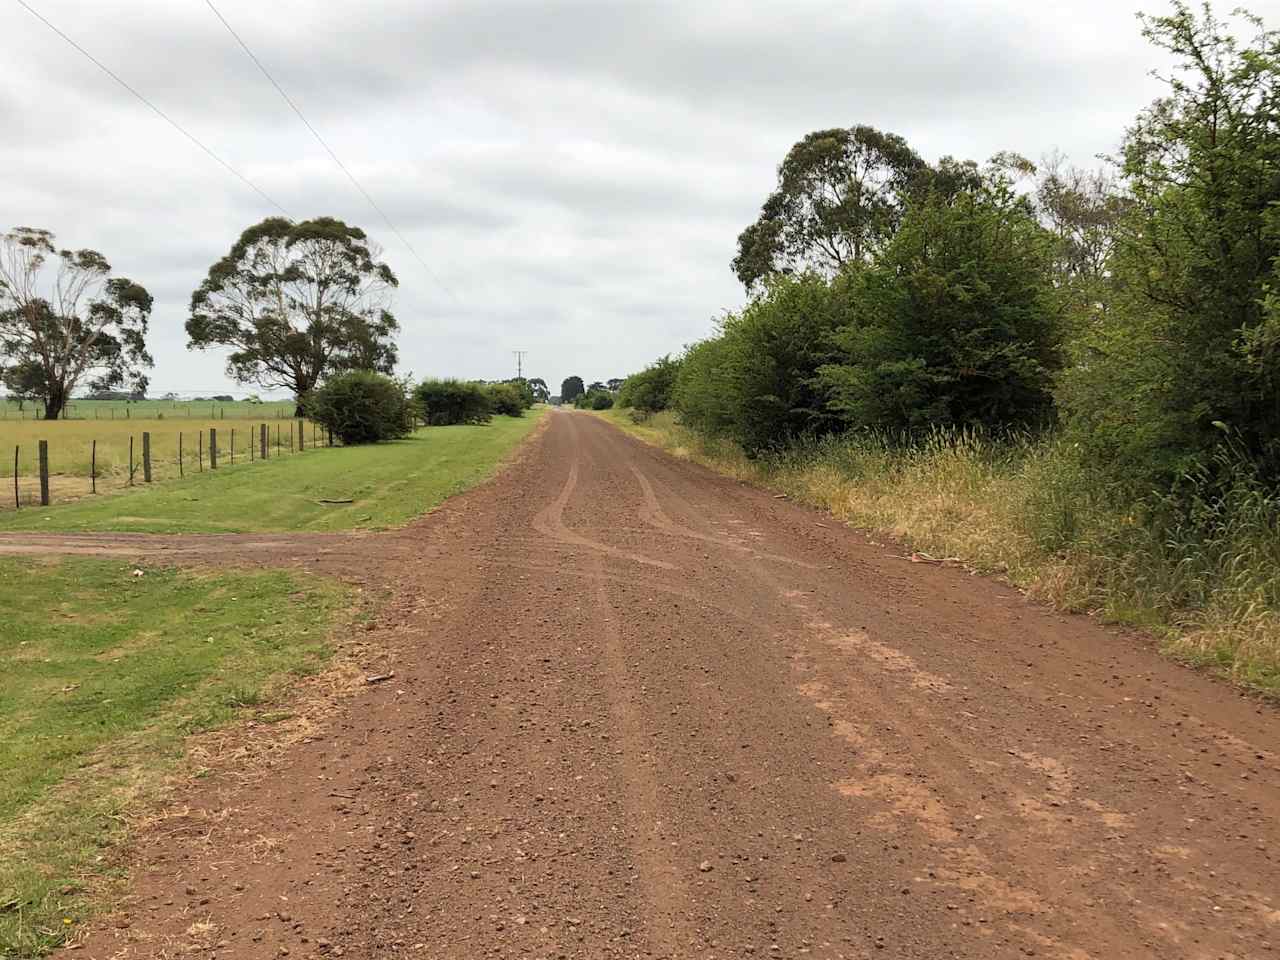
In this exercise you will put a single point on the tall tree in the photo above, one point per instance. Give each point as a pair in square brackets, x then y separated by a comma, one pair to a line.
[80, 325]
[840, 197]
[541, 393]
[297, 302]
[571, 389]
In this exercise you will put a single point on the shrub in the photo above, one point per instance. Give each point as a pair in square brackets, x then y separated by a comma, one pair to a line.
[594, 400]
[650, 390]
[507, 399]
[361, 407]
[755, 383]
[955, 324]
[449, 402]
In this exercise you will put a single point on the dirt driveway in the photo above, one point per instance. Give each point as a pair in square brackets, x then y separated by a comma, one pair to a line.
[643, 711]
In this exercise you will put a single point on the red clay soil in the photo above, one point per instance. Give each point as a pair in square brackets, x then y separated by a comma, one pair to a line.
[641, 710]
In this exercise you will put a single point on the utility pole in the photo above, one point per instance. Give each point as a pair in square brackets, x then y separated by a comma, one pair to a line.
[520, 355]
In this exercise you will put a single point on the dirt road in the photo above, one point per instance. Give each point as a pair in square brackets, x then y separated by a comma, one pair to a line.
[644, 711]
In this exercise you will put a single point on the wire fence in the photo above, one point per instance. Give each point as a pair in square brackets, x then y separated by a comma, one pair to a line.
[43, 474]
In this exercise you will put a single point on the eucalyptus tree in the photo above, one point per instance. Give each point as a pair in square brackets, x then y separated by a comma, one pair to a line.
[297, 302]
[65, 321]
[840, 196]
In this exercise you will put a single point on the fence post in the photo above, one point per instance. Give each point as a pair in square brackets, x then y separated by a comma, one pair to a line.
[277, 439]
[213, 449]
[44, 473]
[233, 445]
[93, 468]
[181, 472]
[146, 456]
[200, 451]
[17, 503]
[131, 459]
[262, 438]
[302, 435]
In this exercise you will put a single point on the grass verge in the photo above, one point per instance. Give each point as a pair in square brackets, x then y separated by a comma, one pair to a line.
[1204, 579]
[107, 673]
[388, 484]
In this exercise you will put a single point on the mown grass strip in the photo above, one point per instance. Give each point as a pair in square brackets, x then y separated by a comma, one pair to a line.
[388, 484]
[106, 675]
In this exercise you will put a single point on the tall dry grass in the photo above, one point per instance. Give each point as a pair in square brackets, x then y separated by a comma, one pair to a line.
[1199, 568]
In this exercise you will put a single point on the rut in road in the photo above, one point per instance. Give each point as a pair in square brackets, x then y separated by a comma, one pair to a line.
[641, 710]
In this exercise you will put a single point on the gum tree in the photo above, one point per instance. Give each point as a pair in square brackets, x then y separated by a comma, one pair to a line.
[64, 320]
[297, 302]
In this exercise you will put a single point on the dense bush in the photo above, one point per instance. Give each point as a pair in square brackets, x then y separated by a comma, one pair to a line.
[361, 407]
[650, 390]
[1189, 353]
[756, 382]
[595, 399]
[955, 325]
[507, 399]
[449, 402]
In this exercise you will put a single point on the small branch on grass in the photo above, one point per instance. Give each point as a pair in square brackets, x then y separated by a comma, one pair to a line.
[380, 677]
[335, 501]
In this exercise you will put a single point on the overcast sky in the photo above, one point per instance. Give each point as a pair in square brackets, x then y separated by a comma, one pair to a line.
[575, 174]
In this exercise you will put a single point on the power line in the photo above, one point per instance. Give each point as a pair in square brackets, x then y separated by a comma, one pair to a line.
[328, 149]
[160, 113]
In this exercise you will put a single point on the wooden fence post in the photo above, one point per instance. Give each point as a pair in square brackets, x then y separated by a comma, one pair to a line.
[302, 435]
[233, 445]
[262, 437]
[17, 503]
[213, 449]
[93, 468]
[146, 456]
[181, 472]
[200, 451]
[131, 468]
[44, 473]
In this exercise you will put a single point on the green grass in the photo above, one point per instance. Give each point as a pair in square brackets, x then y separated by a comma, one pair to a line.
[389, 483]
[105, 675]
[1203, 575]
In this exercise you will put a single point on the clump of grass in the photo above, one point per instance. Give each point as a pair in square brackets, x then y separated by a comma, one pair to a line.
[1199, 567]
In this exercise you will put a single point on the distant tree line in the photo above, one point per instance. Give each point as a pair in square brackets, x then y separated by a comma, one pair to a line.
[1134, 310]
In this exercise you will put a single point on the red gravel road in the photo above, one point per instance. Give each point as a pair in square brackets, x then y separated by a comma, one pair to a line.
[641, 710]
